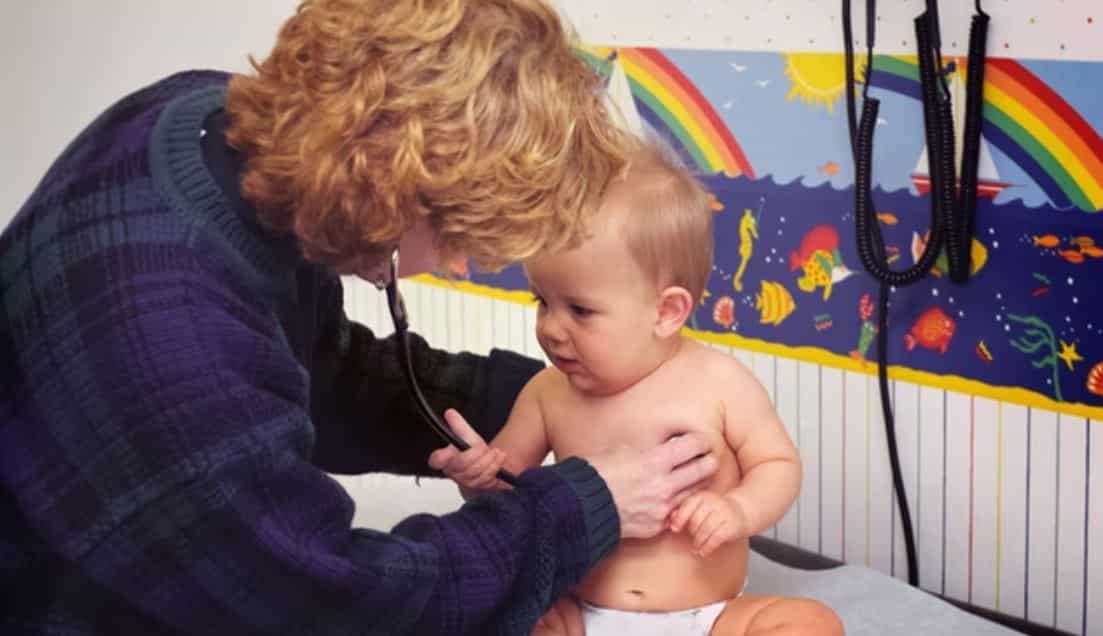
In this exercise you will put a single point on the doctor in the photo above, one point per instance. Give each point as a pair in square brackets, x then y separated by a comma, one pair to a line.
[178, 374]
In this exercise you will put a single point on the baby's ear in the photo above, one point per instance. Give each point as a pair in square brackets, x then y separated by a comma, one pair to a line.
[675, 305]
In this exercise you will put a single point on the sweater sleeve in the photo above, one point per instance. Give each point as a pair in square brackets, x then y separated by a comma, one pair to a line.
[179, 479]
[362, 410]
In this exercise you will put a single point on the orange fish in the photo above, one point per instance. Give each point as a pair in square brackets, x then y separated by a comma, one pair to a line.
[1095, 380]
[933, 330]
[1048, 241]
[723, 312]
[888, 218]
[1073, 256]
[1082, 241]
[1093, 251]
[830, 169]
[821, 237]
[715, 204]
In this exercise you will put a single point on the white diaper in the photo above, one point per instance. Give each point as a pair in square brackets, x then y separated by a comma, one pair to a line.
[698, 621]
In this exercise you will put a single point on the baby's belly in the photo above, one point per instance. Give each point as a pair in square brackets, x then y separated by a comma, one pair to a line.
[663, 574]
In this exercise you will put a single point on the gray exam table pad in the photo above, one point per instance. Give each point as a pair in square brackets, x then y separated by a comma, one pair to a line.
[869, 602]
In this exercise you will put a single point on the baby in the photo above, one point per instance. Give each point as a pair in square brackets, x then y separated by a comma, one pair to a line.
[610, 317]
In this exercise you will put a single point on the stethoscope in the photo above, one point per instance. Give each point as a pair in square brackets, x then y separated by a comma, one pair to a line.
[401, 326]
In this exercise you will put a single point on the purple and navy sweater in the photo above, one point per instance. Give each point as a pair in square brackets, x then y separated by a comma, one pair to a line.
[177, 381]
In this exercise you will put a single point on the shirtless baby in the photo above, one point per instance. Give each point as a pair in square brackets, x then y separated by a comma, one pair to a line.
[610, 320]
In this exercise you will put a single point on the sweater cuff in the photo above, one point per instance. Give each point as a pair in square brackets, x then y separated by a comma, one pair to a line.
[598, 509]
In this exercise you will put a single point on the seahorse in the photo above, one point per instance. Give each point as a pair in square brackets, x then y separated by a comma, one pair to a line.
[748, 231]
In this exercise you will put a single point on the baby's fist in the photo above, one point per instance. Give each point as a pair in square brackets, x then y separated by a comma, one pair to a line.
[711, 518]
[475, 468]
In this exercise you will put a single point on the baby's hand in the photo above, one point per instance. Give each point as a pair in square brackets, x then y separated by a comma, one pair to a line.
[711, 518]
[475, 468]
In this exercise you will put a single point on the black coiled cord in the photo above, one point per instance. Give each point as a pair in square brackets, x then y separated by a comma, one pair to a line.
[952, 215]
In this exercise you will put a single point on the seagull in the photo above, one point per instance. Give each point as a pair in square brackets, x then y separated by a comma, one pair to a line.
[739, 68]
[762, 83]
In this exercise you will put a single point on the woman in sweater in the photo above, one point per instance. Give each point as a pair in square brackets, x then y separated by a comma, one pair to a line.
[179, 376]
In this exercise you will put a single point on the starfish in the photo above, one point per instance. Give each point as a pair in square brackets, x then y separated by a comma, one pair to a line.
[1069, 354]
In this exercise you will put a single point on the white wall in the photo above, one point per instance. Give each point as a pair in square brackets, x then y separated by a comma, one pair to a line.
[1005, 502]
[67, 60]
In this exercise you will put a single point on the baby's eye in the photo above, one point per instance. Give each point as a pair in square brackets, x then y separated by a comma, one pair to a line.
[538, 299]
[581, 311]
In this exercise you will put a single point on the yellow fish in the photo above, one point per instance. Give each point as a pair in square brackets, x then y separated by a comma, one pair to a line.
[978, 255]
[774, 303]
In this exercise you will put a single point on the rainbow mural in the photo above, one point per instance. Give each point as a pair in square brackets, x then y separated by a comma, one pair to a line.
[667, 95]
[1026, 328]
[1026, 120]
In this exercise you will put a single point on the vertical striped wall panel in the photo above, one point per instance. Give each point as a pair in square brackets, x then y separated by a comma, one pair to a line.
[1005, 499]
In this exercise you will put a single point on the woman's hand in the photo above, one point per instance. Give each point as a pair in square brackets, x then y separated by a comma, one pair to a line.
[647, 486]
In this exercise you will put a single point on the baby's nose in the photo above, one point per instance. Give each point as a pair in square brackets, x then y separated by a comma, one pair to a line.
[549, 329]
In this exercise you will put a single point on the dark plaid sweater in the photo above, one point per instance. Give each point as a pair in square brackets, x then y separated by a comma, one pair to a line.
[175, 383]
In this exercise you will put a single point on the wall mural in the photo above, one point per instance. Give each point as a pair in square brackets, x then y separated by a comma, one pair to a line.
[768, 134]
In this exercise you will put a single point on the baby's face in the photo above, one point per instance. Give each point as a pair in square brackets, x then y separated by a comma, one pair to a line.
[597, 314]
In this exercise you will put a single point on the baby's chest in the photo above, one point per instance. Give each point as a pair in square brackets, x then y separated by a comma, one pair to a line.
[583, 427]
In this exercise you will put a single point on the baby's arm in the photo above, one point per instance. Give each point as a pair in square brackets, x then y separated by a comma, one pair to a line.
[768, 460]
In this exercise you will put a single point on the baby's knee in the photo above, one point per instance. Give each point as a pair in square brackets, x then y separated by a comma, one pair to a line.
[816, 618]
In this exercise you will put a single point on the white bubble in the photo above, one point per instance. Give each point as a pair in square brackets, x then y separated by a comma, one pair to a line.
[768, 259]
[1076, 300]
[996, 244]
[992, 230]
[934, 292]
[999, 296]
[1007, 327]
[773, 250]
[1068, 319]
[999, 318]
[1070, 280]
[782, 219]
[951, 299]
[961, 314]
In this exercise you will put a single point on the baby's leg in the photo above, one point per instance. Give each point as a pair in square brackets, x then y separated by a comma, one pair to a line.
[563, 619]
[776, 615]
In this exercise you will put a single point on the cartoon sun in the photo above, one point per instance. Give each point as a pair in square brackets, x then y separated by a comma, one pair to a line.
[819, 79]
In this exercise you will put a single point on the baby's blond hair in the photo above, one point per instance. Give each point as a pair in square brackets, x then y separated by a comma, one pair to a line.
[664, 214]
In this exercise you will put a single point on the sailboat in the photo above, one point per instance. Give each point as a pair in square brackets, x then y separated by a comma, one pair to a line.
[622, 105]
[988, 179]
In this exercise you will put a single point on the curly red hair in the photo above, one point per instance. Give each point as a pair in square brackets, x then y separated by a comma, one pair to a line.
[475, 114]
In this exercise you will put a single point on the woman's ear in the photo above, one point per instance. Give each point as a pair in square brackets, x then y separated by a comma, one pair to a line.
[675, 306]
